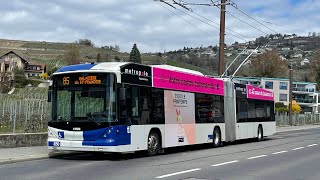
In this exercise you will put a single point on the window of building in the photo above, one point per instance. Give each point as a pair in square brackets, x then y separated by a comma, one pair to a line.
[269, 85]
[6, 68]
[283, 85]
[283, 97]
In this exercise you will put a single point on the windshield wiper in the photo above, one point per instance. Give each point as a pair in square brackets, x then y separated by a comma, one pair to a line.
[92, 120]
[69, 118]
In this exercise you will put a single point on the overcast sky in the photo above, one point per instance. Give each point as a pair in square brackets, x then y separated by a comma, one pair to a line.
[152, 25]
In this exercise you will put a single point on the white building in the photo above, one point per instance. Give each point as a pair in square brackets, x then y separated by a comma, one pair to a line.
[297, 56]
[304, 93]
[304, 62]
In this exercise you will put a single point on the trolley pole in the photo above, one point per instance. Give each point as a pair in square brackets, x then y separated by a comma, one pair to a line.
[222, 34]
[290, 94]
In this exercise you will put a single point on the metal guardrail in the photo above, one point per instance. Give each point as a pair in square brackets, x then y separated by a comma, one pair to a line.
[282, 119]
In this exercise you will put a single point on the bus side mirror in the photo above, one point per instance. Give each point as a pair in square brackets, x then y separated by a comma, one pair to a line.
[122, 94]
[49, 93]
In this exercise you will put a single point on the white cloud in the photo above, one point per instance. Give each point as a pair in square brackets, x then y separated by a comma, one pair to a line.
[13, 16]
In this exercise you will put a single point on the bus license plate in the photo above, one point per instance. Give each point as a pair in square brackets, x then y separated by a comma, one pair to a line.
[54, 143]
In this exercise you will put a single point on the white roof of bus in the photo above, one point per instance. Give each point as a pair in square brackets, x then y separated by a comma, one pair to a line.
[173, 68]
[109, 66]
[115, 67]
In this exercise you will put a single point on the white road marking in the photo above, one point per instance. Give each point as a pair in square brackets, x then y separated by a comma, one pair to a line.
[312, 145]
[221, 164]
[297, 148]
[255, 157]
[177, 173]
[280, 152]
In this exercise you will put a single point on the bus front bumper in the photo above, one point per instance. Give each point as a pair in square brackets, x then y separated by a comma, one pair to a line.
[68, 145]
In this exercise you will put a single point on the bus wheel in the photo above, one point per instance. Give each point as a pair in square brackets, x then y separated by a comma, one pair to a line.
[153, 143]
[216, 138]
[260, 133]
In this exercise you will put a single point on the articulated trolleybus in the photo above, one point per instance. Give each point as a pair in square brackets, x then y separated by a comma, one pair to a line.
[126, 107]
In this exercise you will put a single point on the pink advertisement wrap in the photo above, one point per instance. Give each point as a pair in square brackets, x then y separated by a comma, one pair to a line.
[163, 78]
[179, 118]
[259, 93]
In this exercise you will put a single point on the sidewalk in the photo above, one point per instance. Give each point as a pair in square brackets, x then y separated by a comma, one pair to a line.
[295, 128]
[11, 155]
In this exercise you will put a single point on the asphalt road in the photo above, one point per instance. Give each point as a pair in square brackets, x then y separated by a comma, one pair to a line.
[293, 155]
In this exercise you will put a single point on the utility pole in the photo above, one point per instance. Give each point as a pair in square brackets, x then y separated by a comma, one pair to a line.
[222, 34]
[290, 94]
[222, 7]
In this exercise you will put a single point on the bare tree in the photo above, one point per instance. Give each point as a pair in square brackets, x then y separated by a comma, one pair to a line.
[268, 64]
[72, 56]
[116, 48]
[86, 42]
[99, 58]
[314, 73]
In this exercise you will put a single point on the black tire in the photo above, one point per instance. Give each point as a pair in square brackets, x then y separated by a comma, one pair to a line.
[216, 138]
[260, 133]
[153, 144]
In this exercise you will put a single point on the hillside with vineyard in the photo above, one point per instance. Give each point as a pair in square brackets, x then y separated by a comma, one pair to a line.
[53, 54]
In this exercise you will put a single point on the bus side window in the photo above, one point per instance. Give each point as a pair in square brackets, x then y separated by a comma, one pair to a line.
[123, 113]
[128, 106]
[133, 107]
[252, 110]
[144, 105]
[260, 109]
[157, 106]
[243, 111]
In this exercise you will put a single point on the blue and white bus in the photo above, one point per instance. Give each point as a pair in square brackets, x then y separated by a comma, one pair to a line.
[127, 107]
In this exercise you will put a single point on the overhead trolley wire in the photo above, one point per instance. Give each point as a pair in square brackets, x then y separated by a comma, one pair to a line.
[245, 22]
[236, 7]
[185, 20]
[174, 2]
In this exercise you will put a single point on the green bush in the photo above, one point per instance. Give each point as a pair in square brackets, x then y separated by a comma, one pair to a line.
[280, 104]
[34, 83]
[4, 88]
[20, 81]
[282, 109]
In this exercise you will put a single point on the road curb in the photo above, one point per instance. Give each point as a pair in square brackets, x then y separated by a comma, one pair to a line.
[297, 129]
[36, 157]
[23, 159]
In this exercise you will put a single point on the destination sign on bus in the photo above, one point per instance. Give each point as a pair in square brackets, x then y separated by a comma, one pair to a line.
[81, 80]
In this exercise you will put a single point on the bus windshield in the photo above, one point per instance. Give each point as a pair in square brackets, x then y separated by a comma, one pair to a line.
[84, 97]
